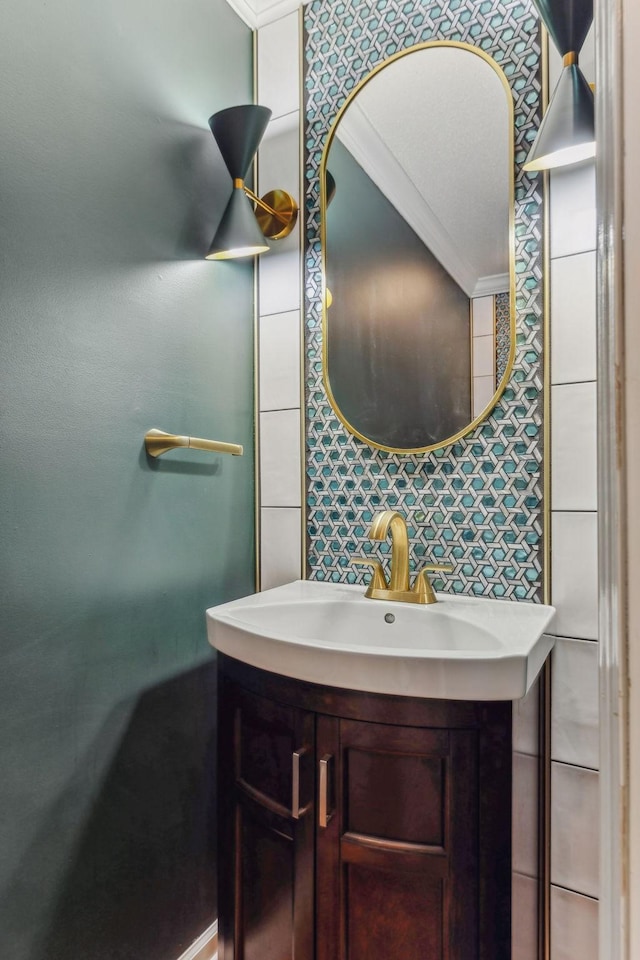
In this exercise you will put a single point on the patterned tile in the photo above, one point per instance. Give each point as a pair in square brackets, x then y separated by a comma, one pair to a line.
[503, 334]
[476, 502]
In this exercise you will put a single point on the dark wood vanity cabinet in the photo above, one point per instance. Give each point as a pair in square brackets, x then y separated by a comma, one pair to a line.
[356, 826]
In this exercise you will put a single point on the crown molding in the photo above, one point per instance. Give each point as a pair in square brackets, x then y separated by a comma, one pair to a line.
[258, 13]
[487, 286]
[367, 147]
[246, 12]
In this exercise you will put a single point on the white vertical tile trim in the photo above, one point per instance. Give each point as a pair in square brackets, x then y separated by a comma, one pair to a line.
[484, 357]
[279, 65]
[279, 277]
[280, 361]
[573, 318]
[280, 458]
[483, 391]
[279, 282]
[482, 311]
[280, 554]
[574, 716]
[525, 815]
[573, 210]
[524, 916]
[574, 575]
[573, 447]
[574, 833]
[574, 926]
[279, 296]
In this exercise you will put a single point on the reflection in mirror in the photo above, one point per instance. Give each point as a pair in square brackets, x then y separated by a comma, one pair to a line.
[417, 244]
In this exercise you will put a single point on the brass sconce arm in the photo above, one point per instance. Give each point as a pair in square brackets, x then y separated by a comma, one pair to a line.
[276, 213]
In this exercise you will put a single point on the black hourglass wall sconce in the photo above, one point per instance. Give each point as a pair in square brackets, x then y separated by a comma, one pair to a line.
[244, 229]
[567, 131]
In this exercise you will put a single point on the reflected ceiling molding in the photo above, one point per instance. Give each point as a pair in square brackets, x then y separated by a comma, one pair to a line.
[361, 139]
[487, 286]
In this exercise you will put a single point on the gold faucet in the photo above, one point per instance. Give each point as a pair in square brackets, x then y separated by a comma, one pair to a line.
[398, 587]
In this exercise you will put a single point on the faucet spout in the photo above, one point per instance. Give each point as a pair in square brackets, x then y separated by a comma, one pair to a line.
[391, 520]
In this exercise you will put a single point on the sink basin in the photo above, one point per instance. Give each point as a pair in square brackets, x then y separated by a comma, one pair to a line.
[461, 648]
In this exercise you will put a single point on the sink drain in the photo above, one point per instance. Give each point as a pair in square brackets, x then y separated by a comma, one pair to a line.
[389, 618]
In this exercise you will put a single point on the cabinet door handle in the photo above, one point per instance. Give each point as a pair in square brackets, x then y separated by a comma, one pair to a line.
[296, 810]
[324, 816]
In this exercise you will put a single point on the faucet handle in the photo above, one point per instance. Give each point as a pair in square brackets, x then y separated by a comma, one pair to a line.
[422, 585]
[378, 581]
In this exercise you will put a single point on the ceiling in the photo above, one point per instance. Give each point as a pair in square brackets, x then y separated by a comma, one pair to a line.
[432, 131]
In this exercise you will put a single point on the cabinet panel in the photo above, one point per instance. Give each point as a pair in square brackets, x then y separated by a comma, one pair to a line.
[400, 872]
[266, 814]
[393, 916]
[266, 881]
[395, 796]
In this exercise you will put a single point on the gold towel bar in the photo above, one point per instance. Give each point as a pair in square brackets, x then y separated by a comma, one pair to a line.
[158, 442]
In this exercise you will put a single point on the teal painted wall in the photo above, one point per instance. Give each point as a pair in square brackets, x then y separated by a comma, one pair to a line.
[111, 323]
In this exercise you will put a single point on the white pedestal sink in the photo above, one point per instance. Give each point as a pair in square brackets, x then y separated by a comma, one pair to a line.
[461, 648]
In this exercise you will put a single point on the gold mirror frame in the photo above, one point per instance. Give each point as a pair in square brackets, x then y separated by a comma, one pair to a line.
[512, 283]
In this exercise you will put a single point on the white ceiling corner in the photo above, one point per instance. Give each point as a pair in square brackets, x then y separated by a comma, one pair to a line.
[258, 13]
[432, 133]
[367, 147]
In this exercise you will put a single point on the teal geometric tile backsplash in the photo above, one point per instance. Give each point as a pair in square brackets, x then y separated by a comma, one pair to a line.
[476, 503]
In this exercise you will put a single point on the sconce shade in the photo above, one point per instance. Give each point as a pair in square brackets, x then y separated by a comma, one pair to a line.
[242, 231]
[567, 21]
[239, 234]
[330, 186]
[567, 132]
[238, 132]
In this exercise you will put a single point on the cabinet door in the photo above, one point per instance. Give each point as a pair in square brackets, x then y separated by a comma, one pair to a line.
[266, 802]
[397, 863]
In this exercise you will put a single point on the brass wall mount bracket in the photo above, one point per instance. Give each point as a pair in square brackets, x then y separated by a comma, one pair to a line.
[158, 442]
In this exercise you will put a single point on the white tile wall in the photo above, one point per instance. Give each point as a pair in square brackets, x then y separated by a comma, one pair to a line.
[279, 275]
[574, 580]
[525, 815]
[483, 391]
[280, 361]
[482, 316]
[573, 210]
[279, 293]
[279, 65]
[574, 575]
[524, 918]
[574, 717]
[280, 467]
[574, 926]
[573, 318]
[281, 538]
[484, 356]
[573, 446]
[574, 828]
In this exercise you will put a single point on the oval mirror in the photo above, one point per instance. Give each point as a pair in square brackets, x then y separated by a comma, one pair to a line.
[417, 237]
